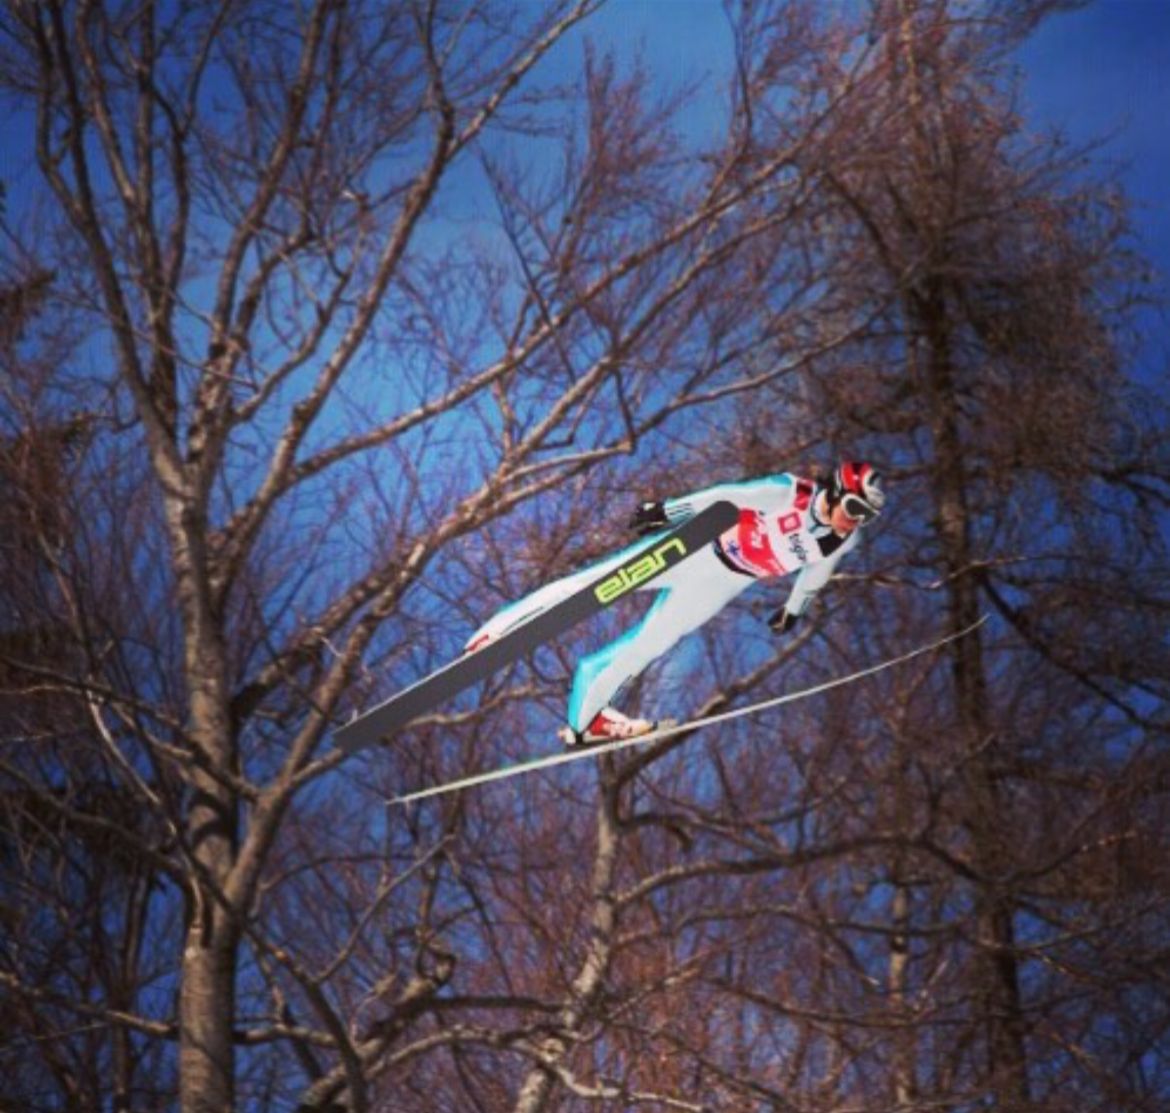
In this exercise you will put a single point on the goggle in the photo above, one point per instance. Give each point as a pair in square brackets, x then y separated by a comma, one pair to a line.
[857, 509]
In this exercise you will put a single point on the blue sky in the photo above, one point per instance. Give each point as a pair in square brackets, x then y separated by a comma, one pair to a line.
[1105, 72]
[1100, 72]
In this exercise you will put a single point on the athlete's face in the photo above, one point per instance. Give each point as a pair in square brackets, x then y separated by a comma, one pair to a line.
[841, 522]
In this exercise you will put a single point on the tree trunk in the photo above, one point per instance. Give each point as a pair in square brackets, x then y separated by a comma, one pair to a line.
[206, 1009]
[538, 1085]
[903, 1083]
[207, 996]
[999, 972]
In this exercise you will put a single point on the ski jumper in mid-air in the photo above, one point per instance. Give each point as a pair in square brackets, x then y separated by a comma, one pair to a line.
[787, 525]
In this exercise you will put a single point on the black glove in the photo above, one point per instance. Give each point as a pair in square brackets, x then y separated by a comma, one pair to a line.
[783, 621]
[649, 517]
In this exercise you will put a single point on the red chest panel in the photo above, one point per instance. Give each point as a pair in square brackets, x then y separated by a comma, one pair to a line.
[750, 543]
[755, 547]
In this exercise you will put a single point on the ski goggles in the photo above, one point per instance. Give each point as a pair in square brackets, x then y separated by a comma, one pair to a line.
[857, 509]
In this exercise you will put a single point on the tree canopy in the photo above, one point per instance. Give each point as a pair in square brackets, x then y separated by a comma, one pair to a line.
[336, 326]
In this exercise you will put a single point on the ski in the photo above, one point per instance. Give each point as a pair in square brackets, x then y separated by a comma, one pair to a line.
[644, 564]
[516, 770]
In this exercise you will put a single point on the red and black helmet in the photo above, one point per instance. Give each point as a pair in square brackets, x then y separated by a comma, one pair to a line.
[857, 486]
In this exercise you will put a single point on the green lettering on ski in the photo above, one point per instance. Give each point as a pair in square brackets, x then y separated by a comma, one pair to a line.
[638, 571]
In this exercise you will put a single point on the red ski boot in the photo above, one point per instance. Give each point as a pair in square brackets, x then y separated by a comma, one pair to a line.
[608, 726]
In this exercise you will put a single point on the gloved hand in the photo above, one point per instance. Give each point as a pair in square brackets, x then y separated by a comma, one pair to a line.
[648, 518]
[783, 621]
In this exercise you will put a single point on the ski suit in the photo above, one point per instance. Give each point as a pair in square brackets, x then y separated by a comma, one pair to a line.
[777, 534]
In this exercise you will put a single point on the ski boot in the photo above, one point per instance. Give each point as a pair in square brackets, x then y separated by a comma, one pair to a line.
[608, 726]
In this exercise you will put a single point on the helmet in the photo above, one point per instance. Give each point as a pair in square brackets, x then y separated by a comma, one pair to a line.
[857, 486]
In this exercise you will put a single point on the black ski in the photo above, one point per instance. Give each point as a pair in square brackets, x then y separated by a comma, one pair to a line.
[644, 564]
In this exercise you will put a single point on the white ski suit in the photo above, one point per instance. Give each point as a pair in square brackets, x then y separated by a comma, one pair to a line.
[777, 534]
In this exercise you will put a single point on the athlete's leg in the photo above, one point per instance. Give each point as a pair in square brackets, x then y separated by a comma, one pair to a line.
[692, 593]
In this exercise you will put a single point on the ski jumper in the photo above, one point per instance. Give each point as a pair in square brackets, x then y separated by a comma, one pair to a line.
[777, 534]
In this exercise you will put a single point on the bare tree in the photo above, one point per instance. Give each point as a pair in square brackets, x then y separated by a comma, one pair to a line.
[996, 377]
[314, 387]
[340, 325]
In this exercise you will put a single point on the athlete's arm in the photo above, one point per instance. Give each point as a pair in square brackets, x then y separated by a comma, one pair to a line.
[772, 493]
[808, 582]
